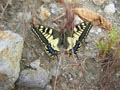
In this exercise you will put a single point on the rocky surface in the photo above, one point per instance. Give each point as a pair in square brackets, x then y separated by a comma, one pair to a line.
[110, 9]
[40, 74]
[11, 46]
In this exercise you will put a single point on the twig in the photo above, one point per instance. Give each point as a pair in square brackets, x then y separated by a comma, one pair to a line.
[4, 9]
[58, 17]
[58, 68]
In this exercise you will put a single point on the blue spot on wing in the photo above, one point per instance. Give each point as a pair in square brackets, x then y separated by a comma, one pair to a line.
[51, 50]
[41, 36]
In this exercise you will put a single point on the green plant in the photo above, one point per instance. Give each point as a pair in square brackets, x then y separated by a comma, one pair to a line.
[110, 52]
[105, 45]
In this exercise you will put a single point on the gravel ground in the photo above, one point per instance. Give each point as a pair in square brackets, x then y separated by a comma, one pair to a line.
[83, 75]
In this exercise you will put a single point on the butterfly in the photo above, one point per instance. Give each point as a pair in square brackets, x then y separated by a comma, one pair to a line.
[54, 40]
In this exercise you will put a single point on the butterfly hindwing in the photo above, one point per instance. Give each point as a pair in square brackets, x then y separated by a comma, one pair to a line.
[47, 36]
[79, 35]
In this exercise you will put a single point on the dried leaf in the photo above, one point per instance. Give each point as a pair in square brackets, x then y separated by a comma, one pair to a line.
[95, 18]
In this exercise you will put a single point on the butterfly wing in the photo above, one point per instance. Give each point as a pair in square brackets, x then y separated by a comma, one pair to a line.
[48, 37]
[79, 35]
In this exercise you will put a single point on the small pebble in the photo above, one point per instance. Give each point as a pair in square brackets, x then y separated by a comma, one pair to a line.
[56, 9]
[110, 9]
[48, 87]
[44, 13]
[35, 64]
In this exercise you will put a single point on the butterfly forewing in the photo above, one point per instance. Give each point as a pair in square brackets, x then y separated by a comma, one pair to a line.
[46, 35]
[79, 34]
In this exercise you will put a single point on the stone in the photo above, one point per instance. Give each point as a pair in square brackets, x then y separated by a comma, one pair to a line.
[35, 64]
[110, 9]
[48, 87]
[77, 20]
[56, 8]
[96, 31]
[43, 13]
[34, 78]
[11, 45]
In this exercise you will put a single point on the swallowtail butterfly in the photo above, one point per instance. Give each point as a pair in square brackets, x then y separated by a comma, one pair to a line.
[53, 40]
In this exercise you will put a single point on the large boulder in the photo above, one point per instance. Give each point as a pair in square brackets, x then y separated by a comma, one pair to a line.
[11, 45]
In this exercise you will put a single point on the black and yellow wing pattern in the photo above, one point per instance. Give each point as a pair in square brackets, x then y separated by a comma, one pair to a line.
[53, 39]
[80, 33]
[47, 36]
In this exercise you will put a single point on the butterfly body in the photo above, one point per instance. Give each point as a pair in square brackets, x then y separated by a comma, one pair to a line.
[53, 40]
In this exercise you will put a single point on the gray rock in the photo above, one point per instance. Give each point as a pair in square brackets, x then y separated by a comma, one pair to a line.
[35, 64]
[33, 78]
[11, 45]
[48, 87]
[110, 9]
[96, 31]
[44, 13]
[57, 8]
